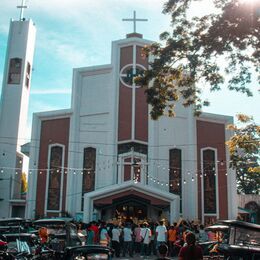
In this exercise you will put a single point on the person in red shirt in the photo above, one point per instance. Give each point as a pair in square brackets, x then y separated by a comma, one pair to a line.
[191, 250]
[95, 229]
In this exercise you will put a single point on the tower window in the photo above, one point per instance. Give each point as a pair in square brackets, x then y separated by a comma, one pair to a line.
[15, 68]
[28, 74]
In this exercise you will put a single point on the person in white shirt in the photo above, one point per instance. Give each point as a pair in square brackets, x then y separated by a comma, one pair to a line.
[146, 239]
[128, 243]
[115, 240]
[161, 234]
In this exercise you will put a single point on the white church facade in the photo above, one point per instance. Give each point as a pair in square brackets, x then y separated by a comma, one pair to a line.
[105, 158]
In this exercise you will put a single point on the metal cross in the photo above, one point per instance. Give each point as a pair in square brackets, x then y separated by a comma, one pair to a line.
[22, 7]
[134, 20]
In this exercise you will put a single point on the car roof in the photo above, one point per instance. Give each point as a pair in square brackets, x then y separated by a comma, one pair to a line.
[8, 219]
[217, 227]
[49, 221]
[12, 220]
[238, 223]
[53, 220]
[19, 235]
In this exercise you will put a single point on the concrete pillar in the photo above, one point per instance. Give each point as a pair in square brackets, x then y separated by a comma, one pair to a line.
[175, 210]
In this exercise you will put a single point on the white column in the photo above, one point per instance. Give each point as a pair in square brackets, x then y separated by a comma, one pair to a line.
[175, 210]
[87, 213]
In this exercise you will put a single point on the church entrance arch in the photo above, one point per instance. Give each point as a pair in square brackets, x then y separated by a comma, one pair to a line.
[131, 208]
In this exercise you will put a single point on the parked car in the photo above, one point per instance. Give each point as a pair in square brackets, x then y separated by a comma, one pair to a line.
[25, 246]
[11, 221]
[240, 241]
[89, 252]
[12, 225]
[221, 232]
[61, 233]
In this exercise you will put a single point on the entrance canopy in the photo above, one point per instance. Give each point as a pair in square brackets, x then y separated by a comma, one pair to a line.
[131, 195]
[129, 192]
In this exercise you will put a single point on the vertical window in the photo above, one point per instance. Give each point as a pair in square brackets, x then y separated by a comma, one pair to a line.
[209, 182]
[175, 173]
[137, 170]
[55, 173]
[89, 168]
[15, 69]
[132, 169]
[127, 169]
[28, 74]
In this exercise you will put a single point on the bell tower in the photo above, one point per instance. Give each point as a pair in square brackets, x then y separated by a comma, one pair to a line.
[13, 113]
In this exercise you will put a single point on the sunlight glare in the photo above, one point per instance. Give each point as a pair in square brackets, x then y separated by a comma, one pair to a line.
[248, 1]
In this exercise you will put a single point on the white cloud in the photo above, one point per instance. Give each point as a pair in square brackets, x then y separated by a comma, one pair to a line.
[51, 91]
[39, 106]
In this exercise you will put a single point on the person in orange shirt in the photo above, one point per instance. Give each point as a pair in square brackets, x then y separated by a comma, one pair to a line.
[43, 234]
[172, 237]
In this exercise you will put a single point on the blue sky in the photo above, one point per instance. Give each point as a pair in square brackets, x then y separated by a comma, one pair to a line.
[78, 33]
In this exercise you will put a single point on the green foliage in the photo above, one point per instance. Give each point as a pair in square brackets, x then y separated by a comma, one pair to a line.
[244, 148]
[192, 52]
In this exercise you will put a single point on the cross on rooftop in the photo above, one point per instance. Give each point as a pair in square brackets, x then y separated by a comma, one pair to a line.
[134, 20]
[22, 7]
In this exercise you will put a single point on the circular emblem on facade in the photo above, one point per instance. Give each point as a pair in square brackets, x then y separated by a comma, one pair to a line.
[129, 72]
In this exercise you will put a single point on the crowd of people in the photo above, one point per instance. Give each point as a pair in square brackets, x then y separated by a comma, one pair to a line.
[146, 239]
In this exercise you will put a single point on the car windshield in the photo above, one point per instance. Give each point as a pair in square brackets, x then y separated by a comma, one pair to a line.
[18, 246]
[97, 256]
[245, 236]
[91, 256]
[58, 230]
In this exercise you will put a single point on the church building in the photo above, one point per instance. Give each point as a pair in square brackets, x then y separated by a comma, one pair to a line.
[104, 157]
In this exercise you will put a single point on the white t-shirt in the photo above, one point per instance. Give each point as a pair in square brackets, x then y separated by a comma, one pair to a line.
[127, 234]
[146, 235]
[161, 230]
[115, 234]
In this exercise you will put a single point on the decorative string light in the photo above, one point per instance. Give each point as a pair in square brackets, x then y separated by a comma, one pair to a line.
[75, 171]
